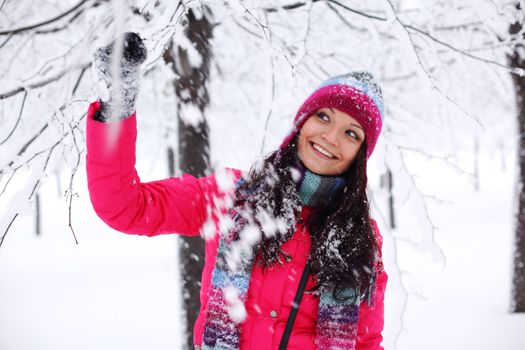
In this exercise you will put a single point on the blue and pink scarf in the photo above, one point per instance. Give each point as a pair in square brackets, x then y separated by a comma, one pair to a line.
[336, 319]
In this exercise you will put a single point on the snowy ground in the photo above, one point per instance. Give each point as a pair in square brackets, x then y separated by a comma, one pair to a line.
[114, 291]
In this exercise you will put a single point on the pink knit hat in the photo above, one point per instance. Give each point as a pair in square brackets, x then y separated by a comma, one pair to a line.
[356, 94]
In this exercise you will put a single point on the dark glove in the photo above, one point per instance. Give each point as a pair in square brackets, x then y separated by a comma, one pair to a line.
[118, 94]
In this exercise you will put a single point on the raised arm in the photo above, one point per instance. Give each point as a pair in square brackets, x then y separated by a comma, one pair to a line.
[174, 205]
[122, 201]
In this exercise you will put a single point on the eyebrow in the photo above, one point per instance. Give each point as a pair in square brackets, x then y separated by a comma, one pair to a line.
[357, 126]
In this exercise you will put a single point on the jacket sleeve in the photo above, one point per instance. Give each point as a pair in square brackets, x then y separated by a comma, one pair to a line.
[371, 315]
[121, 200]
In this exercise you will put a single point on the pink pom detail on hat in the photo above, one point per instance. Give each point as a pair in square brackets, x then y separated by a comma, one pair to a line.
[355, 94]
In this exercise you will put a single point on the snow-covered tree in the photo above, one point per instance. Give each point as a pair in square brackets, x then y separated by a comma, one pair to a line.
[190, 83]
[517, 60]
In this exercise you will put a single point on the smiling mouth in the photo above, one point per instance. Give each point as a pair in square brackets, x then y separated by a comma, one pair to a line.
[322, 151]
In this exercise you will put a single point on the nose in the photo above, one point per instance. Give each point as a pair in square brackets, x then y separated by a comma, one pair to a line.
[330, 136]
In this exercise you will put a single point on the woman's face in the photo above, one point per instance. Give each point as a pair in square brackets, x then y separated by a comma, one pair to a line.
[329, 141]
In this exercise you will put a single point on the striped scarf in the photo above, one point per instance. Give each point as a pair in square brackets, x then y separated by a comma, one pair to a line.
[337, 318]
[316, 190]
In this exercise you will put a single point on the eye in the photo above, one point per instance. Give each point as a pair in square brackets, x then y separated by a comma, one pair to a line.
[323, 116]
[353, 134]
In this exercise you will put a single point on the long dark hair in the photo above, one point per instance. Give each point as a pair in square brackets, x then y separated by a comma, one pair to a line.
[343, 242]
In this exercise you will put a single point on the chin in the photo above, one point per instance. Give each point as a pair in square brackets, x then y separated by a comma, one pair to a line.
[321, 170]
[317, 168]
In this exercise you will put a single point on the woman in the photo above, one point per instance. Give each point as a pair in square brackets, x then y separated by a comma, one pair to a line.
[293, 259]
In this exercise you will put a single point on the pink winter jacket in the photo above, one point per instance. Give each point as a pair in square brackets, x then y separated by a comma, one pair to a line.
[187, 205]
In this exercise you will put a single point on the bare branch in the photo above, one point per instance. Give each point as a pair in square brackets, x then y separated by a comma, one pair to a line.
[44, 82]
[77, 84]
[29, 142]
[69, 192]
[40, 24]
[335, 2]
[270, 110]
[508, 43]
[50, 151]
[463, 52]
[246, 29]
[17, 121]
[23, 149]
[414, 28]
[444, 159]
[263, 27]
[286, 7]
[459, 26]
[14, 56]
[426, 71]
[361, 13]
[47, 65]
[305, 37]
[7, 229]
[344, 20]
[6, 40]
[65, 26]
[35, 186]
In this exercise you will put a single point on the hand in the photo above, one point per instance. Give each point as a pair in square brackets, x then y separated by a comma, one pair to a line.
[117, 94]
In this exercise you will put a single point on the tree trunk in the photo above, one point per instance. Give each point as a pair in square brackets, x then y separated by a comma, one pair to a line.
[38, 215]
[476, 164]
[192, 98]
[387, 181]
[517, 59]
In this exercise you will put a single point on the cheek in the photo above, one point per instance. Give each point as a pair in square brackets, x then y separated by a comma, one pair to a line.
[301, 147]
[303, 136]
[308, 128]
[350, 155]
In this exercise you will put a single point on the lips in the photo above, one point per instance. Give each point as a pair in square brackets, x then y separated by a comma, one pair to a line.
[322, 152]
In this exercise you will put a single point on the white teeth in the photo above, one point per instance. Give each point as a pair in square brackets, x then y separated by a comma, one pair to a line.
[322, 150]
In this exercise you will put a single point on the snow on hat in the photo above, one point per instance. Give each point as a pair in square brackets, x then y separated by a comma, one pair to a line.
[356, 94]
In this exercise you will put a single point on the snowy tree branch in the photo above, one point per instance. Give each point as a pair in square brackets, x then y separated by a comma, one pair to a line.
[69, 193]
[12, 220]
[33, 185]
[13, 213]
[406, 27]
[444, 159]
[463, 52]
[335, 2]
[26, 145]
[44, 82]
[62, 27]
[17, 121]
[6, 40]
[81, 75]
[43, 23]
[458, 26]
[270, 110]
[20, 152]
[361, 13]
[425, 69]
[344, 20]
